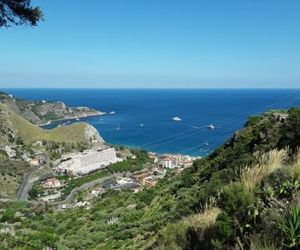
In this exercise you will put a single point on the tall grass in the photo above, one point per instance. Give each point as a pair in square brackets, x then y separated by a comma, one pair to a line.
[269, 163]
[258, 244]
[174, 236]
[200, 222]
[296, 166]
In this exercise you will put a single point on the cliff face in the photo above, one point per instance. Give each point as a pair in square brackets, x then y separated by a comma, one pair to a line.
[92, 134]
[39, 112]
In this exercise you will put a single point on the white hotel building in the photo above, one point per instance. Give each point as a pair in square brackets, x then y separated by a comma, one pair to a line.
[88, 161]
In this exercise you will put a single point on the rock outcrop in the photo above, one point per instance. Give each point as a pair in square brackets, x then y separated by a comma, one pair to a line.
[92, 134]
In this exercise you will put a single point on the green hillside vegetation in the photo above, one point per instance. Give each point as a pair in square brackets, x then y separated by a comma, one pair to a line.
[257, 211]
[245, 195]
[31, 133]
[131, 165]
[74, 183]
[11, 174]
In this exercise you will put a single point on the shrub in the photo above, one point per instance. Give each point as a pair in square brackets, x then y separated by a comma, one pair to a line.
[252, 120]
[235, 200]
[224, 230]
[290, 228]
[238, 217]
[8, 216]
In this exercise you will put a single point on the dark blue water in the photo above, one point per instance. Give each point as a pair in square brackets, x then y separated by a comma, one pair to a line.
[226, 109]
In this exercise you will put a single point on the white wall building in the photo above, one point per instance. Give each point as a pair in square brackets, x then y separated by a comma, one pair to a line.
[10, 151]
[88, 161]
[176, 161]
[167, 162]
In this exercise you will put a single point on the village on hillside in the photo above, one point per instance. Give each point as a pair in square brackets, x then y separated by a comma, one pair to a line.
[111, 166]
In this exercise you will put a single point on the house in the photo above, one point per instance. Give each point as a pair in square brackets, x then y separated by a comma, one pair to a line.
[66, 206]
[140, 176]
[137, 189]
[37, 160]
[153, 157]
[34, 162]
[52, 183]
[166, 162]
[10, 151]
[25, 158]
[82, 204]
[97, 191]
[150, 181]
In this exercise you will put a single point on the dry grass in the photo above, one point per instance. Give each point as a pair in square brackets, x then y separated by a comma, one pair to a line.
[296, 165]
[269, 163]
[258, 244]
[203, 220]
[173, 236]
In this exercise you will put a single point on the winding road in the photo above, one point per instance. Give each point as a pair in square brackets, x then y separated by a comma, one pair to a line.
[26, 184]
[83, 187]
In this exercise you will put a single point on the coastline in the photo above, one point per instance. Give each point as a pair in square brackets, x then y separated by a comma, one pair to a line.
[71, 118]
[154, 109]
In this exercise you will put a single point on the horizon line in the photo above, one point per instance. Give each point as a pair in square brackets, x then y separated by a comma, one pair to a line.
[152, 88]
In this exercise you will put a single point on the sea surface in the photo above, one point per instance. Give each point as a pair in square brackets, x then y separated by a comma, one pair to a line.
[143, 117]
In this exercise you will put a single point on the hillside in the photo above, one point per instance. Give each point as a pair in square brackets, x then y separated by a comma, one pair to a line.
[11, 175]
[41, 112]
[245, 195]
[19, 135]
[78, 132]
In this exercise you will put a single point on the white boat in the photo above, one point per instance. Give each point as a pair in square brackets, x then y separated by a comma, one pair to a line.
[112, 112]
[176, 119]
[119, 127]
[210, 126]
[141, 125]
[77, 119]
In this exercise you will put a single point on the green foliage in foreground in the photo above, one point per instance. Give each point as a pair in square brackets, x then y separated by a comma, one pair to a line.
[290, 228]
[246, 219]
[19, 13]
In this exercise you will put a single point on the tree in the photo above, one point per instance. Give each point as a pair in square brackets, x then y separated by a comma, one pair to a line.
[18, 12]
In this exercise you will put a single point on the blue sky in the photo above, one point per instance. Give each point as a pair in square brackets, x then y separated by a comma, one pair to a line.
[156, 43]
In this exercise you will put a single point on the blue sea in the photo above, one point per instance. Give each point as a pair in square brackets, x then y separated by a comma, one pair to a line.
[143, 117]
